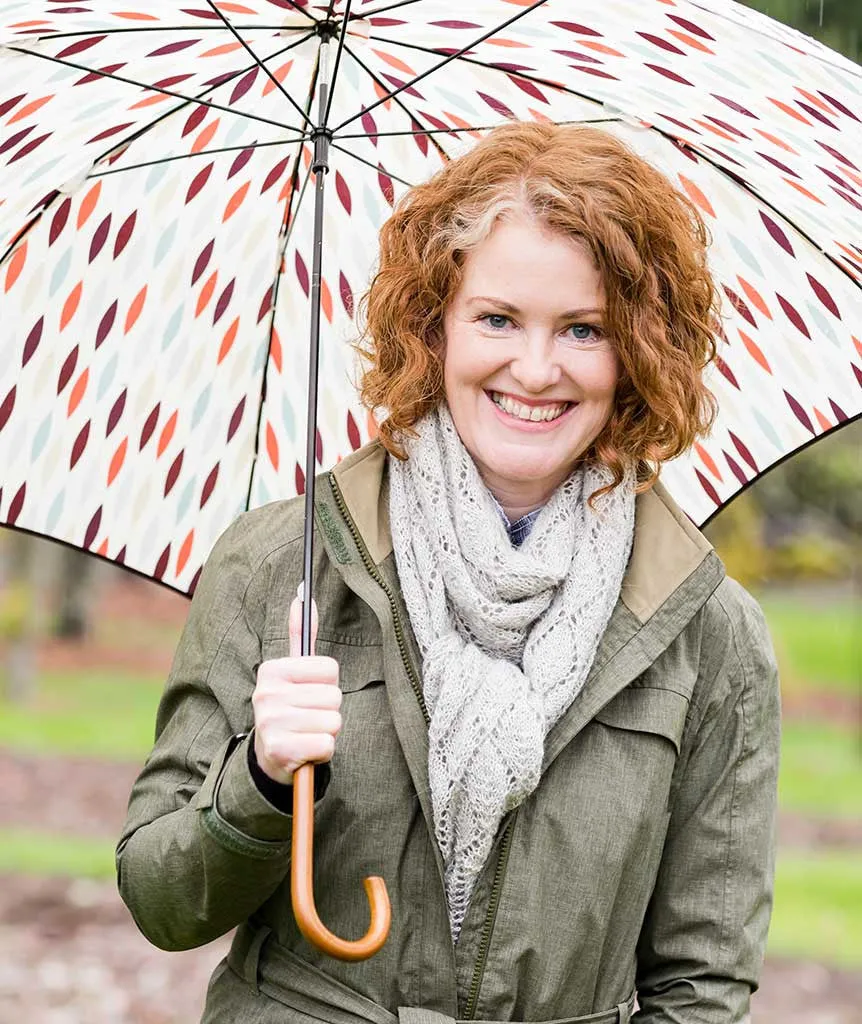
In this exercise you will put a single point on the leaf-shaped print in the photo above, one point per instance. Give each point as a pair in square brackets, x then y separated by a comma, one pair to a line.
[743, 451]
[821, 292]
[370, 126]
[194, 119]
[162, 563]
[776, 233]
[793, 315]
[79, 445]
[99, 238]
[7, 407]
[92, 529]
[7, 105]
[272, 446]
[106, 323]
[275, 174]
[243, 86]
[59, 220]
[690, 26]
[135, 310]
[299, 479]
[496, 105]
[227, 341]
[727, 372]
[32, 342]
[79, 45]
[108, 132]
[346, 294]
[117, 460]
[235, 419]
[318, 447]
[667, 73]
[88, 204]
[223, 301]
[173, 473]
[662, 44]
[167, 434]
[302, 273]
[70, 306]
[578, 29]
[275, 350]
[198, 182]
[15, 138]
[209, 485]
[386, 186]
[235, 201]
[116, 412]
[343, 191]
[266, 304]
[707, 460]
[28, 149]
[78, 392]
[353, 432]
[149, 426]
[707, 486]
[202, 261]
[99, 76]
[739, 305]
[185, 552]
[67, 369]
[241, 160]
[124, 234]
[799, 412]
[530, 88]
[181, 44]
[839, 413]
[120, 557]
[736, 469]
[754, 351]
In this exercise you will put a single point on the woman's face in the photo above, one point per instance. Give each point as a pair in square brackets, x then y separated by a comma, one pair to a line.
[529, 374]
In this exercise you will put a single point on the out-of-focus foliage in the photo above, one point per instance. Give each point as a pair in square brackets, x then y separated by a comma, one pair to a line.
[837, 23]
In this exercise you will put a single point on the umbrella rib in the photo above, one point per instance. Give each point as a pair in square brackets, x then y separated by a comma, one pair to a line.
[170, 92]
[458, 131]
[448, 60]
[234, 32]
[375, 167]
[145, 28]
[382, 10]
[200, 152]
[337, 64]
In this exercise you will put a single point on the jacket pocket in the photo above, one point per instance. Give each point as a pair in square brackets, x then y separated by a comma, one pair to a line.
[360, 664]
[647, 709]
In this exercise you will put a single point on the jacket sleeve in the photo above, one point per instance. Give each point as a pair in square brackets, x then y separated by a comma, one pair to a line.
[202, 847]
[701, 947]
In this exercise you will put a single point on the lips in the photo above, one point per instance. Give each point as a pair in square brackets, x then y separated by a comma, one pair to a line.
[544, 412]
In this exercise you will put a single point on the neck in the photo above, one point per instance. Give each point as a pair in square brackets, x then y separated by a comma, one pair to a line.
[518, 503]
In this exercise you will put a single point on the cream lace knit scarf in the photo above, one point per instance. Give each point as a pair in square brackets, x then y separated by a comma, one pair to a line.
[507, 634]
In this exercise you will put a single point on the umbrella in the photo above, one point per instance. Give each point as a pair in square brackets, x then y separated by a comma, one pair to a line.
[161, 255]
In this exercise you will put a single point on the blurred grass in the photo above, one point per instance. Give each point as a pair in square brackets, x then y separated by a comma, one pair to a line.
[818, 640]
[817, 907]
[821, 770]
[107, 714]
[27, 852]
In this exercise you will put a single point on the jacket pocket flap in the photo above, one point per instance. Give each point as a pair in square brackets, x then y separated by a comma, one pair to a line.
[647, 709]
[360, 665]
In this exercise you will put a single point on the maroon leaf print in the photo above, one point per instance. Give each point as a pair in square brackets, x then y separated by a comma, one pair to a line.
[241, 160]
[667, 73]
[99, 238]
[108, 132]
[25, 150]
[92, 529]
[107, 69]
[370, 126]
[162, 563]
[7, 407]
[832, 152]
[13, 140]
[79, 46]
[173, 473]
[116, 412]
[735, 106]
[301, 273]
[194, 583]
[67, 369]
[386, 186]
[829, 99]
[727, 372]
[707, 486]
[202, 261]
[149, 426]
[7, 105]
[824, 296]
[194, 119]
[182, 44]
[209, 485]
[792, 315]
[529, 88]
[735, 468]
[840, 415]
[496, 105]
[343, 192]
[59, 220]
[690, 26]
[857, 373]
[236, 419]
[450, 24]
[597, 72]
[124, 234]
[17, 505]
[318, 447]
[299, 479]
[346, 294]
[799, 412]
[223, 301]
[579, 30]
[120, 557]
[739, 305]
[79, 445]
[243, 86]
[776, 233]
[353, 432]
[32, 342]
[198, 182]
[743, 451]
[275, 174]
[106, 323]
[663, 44]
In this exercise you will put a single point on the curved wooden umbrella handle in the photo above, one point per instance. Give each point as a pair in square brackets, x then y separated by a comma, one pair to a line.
[302, 890]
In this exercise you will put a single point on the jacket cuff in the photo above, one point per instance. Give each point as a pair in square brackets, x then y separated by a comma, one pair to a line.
[280, 795]
[241, 804]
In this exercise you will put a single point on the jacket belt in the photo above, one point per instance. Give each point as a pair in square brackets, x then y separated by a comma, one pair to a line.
[263, 963]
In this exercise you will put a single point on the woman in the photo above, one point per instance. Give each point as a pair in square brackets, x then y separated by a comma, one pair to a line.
[552, 720]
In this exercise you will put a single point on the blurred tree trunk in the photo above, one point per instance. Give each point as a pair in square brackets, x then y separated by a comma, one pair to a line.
[31, 573]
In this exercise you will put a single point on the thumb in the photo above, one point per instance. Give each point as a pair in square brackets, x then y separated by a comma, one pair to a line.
[294, 627]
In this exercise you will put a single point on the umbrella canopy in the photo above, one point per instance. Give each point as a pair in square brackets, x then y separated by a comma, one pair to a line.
[156, 230]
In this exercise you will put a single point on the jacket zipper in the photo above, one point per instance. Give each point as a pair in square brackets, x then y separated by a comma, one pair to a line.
[371, 568]
[490, 919]
[506, 841]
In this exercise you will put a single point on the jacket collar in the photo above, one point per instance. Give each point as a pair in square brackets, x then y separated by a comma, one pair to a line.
[667, 547]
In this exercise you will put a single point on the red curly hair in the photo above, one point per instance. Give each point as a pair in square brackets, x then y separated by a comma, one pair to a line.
[649, 244]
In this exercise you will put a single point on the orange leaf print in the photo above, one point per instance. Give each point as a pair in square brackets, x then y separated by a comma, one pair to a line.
[501, 41]
[103, 548]
[185, 551]
[279, 75]
[229, 8]
[271, 446]
[88, 204]
[394, 62]
[206, 293]
[166, 434]
[135, 310]
[275, 352]
[206, 136]
[70, 306]
[217, 51]
[119, 457]
[16, 265]
[755, 352]
[707, 460]
[227, 341]
[684, 37]
[78, 392]
[789, 110]
[825, 424]
[696, 196]
[593, 44]
[135, 16]
[149, 101]
[235, 202]
[776, 141]
[30, 108]
[804, 191]
[326, 300]
[714, 129]
[754, 296]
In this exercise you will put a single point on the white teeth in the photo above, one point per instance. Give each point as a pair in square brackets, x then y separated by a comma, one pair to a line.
[535, 413]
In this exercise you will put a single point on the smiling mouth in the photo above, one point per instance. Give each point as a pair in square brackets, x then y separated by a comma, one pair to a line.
[530, 413]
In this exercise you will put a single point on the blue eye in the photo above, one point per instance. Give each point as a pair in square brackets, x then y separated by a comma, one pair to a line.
[585, 332]
[496, 321]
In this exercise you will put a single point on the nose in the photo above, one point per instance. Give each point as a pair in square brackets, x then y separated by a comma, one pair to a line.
[535, 366]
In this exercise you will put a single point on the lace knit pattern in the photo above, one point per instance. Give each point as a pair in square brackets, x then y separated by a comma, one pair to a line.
[507, 634]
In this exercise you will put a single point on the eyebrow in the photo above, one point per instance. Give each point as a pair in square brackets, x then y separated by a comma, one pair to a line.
[507, 307]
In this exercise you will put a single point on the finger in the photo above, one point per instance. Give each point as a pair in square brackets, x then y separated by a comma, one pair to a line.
[292, 751]
[302, 721]
[294, 626]
[314, 695]
[275, 672]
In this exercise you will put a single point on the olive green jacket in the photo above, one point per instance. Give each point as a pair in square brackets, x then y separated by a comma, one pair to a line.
[643, 860]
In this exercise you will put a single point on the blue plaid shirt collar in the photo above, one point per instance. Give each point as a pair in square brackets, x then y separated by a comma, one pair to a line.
[520, 529]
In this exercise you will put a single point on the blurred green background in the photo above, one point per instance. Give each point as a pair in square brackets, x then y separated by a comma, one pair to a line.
[84, 649]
